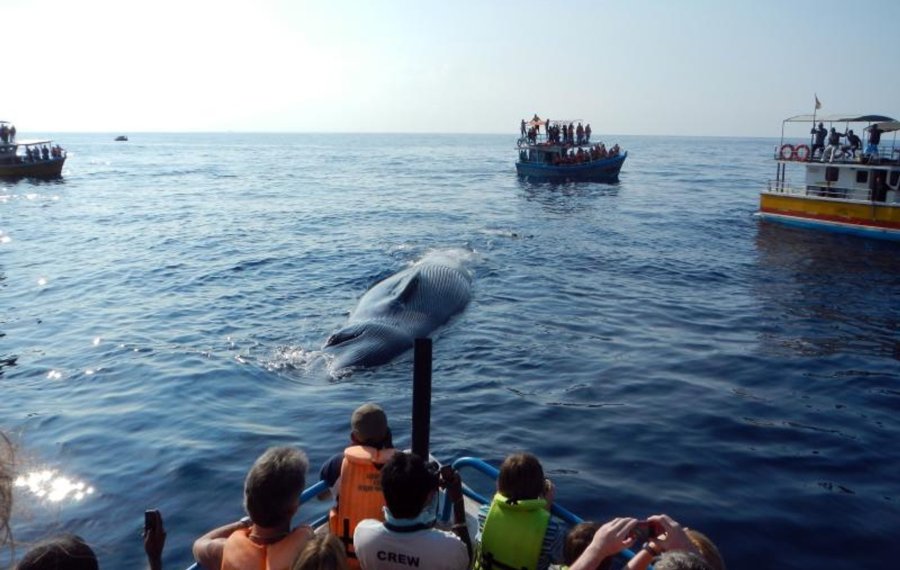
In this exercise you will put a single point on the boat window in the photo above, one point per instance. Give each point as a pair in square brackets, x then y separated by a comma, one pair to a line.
[831, 174]
[862, 176]
[895, 177]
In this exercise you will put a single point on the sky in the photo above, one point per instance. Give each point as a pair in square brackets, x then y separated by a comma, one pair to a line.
[643, 67]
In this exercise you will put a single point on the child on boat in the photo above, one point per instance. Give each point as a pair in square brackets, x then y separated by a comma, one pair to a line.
[516, 529]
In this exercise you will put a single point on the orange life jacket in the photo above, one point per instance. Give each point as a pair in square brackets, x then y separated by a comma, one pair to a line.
[241, 553]
[359, 494]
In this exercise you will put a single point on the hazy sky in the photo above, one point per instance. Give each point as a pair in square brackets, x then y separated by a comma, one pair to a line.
[705, 67]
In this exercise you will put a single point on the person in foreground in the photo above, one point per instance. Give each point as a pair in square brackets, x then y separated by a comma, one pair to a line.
[66, 551]
[354, 476]
[671, 546]
[324, 552]
[516, 529]
[407, 537]
[265, 539]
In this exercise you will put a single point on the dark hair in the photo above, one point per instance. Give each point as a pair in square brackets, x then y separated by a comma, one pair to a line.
[521, 477]
[406, 483]
[577, 541]
[273, 485]
[66, 551]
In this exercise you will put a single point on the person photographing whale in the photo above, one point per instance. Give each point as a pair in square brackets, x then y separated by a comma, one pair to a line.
[354, 475]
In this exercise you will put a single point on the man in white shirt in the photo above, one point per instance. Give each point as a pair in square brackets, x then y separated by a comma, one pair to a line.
[407, 538]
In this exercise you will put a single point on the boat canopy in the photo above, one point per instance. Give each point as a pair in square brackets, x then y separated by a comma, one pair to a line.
[888, 126]
[31, 142]
[839, 119]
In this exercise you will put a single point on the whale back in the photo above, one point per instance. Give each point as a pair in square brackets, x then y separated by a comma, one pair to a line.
[392, 313]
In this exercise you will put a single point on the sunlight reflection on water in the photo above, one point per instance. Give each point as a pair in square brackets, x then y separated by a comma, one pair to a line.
[53, 486]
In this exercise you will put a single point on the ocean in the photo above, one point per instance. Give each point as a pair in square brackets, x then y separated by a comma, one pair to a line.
[656, 345]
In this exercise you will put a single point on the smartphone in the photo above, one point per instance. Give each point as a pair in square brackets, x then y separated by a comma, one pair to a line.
[151, 519]
[643, 531]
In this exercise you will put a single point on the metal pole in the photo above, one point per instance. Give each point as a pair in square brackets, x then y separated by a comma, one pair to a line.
[421, 412]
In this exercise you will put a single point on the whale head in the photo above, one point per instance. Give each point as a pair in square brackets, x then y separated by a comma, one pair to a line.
[366, 344]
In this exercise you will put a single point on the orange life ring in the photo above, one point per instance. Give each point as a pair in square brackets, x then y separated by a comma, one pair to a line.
[786, 152]
[801, 152]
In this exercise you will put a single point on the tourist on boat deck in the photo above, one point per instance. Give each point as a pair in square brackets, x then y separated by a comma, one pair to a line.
[579, 132]
[354, 475]
[675, 547]
[819, 143]
[855, 143]
[522, 127]
[45, 152]
[4, 133]
[608, 540]
[407, 538]
[834, 145]
[323, 552]
[587, 133]
[577, 541]
[874, 140]
[516, 529]
[265, 538]
[12, 133]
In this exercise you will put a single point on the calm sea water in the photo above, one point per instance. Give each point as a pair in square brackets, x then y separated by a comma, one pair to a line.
[656, 345]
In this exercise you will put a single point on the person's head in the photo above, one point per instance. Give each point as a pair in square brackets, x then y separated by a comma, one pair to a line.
[368, 425]
[821, 125]
[850, 132]
[577, 541]
[707, 549]
[680, 560]
[521, 477]
[273, 486]
[323, 552]
[832, 129]
[407, 484]
[66, 551]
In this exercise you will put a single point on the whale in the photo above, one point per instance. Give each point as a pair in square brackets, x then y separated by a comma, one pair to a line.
[409, 304]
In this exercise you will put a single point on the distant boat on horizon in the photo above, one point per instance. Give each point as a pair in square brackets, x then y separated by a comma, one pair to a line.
[121, 138]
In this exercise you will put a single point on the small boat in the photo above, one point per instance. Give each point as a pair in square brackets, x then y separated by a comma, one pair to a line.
[842, 189]
[38, 158]
[121, 138]
[558, 154]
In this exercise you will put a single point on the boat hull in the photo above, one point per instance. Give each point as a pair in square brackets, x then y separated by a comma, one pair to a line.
[595, 171]
[51, 168]
[869, 219]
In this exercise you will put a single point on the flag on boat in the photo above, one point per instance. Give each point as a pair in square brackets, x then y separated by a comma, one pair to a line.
[818, 103]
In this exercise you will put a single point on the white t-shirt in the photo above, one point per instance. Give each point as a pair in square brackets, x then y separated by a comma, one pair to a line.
[378, 548]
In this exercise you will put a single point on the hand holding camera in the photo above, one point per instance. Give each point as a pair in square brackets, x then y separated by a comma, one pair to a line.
[450, 481]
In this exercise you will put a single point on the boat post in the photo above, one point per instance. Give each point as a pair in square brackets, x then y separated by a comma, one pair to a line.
[421, 412]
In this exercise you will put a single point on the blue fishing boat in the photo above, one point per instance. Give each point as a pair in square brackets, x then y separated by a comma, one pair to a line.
[558, 154]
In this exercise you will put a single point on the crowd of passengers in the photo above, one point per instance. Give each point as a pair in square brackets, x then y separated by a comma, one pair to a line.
[42, 153]
[384, 518]
[595, 152]
[557, 133]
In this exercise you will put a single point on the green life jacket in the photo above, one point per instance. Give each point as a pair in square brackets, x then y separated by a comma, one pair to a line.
[513, 534]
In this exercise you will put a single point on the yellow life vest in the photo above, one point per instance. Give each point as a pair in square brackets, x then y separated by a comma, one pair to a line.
[241, 553]
[513, 534]
[359, 493]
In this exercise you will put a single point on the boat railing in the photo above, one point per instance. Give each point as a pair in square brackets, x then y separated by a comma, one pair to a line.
[858, 195]
[885, 155]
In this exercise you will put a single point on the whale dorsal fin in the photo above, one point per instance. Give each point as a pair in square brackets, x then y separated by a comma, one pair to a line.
[406, 288]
